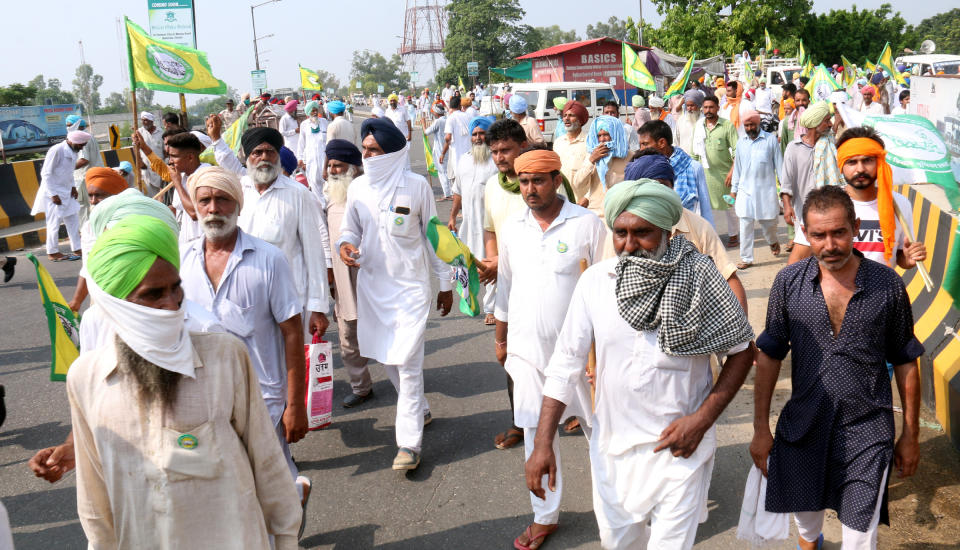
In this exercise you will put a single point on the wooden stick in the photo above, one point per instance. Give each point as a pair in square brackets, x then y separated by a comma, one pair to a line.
[136, 149]
[592, 358]
[164, 190]
[924, 274]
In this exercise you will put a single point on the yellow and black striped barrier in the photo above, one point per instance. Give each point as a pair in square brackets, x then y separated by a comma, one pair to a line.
[936, 321]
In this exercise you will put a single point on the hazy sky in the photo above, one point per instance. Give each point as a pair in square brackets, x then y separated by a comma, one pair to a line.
[41, 36]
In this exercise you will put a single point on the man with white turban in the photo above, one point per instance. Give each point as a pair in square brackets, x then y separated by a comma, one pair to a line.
[87, 158]
[518, 110]
[384, 233]
[657, 112]
[653, 442]
[456, 136]
[164, 415]
[312, 143]
[437, 132]
[57, 195]
[152, 136]
[754, 186]
[246, 282]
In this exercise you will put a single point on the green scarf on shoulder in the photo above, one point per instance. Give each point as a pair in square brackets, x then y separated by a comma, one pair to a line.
[513, 186]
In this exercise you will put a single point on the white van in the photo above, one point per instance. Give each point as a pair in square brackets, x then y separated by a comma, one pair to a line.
[540, 96]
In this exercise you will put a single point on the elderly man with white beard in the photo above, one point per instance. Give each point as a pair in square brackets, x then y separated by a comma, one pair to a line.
[384, 234]
[344, 163]
[475, 167]
[246, 282]
[690, 118]
[286, 215]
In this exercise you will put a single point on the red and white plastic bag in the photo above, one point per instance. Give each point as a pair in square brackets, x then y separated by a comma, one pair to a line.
[319, 399]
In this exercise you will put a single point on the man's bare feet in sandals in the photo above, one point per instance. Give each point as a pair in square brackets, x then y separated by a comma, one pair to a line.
[534, 536]
[509, 438]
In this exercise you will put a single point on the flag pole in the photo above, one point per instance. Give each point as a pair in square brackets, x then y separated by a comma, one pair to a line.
[922, 269]
[133, 103]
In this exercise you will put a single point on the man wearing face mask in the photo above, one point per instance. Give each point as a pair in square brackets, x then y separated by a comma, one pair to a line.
[57, 196]
[313, 143]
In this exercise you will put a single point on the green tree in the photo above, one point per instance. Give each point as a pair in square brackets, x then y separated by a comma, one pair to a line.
[372, 68]
[856, 34]
[115, 103]
[17, 95]
[943, 29]
[553, 35]
[489, 32]
[614, 28]
[327, 79]
[144, 98]
[86, 87]
[49, 92]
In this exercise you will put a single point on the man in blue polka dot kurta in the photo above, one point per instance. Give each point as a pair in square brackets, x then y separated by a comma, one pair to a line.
[844, 317]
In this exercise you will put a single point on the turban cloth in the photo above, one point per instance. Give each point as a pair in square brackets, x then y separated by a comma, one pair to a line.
[344, 151]
[439, 108]
[751, 116]
[653, 167]
[749, 94]
[264, 96]
[106, 179]
[388, 137]
[537, 161]
[656, 102]
[578, 111]
[145, 115]
[693, 95]
[790, 102]
[288, 160]
[867, 147]
[124, 253]
[518, 104]
[78, 137]
[129, 203]
[559, 102]
[311, 105]
[648, 199]
[877, 78]
[337, 107]
[481, 122]
[719, 82]
[291, 106]
[815, 114]
[617, 143]
[72, 119]
[315, 96]
[378, 112]
[126, 166]
[637, 101]
[217, 178]
[204, 138]
[393, 97]
[466, 102]
[868, 90]
[255, 136]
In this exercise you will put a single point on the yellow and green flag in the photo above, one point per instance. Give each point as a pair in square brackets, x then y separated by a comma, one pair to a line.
[746, 72]
[869, 66]
[679, 84]
[460, 84]
[635, 72]
[885, 62]
[849, 72]
[309, 80]
[821, 84]
[807, 68]
[63, 324]
[158, 65]
[803, 53]
[451, 250]
[768, 45]
[428, 156]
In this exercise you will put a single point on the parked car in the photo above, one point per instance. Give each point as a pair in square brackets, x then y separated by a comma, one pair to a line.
[540, 96]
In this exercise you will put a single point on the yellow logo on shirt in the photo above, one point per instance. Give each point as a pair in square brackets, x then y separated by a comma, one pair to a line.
[562, 247]
[187, 441]
[398, 220]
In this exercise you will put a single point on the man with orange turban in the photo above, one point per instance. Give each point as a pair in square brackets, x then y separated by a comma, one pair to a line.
[538, 268]
[881, 238]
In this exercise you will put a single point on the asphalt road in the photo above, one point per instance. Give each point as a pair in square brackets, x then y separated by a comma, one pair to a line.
[466, 494]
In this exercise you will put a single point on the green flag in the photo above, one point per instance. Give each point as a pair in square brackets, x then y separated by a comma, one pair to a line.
[885, 62]
[451, 250]
[766, 40]
[158, 65]
[63, 325]
[821, 84]
[807, 68]
[803, 53]
[635, 72]
[951, 280]
[679, 84]
[428, 156]
[849, 72]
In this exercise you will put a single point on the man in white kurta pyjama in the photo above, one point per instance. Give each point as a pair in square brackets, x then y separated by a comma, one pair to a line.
[57, 196]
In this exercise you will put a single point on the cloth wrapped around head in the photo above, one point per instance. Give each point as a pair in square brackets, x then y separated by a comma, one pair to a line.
[78, 137]
[106, 179]
[815, 114]
[867, 147]
[126, 166]
[694, 96]
[336, 107]
[578, 111]
[147, 115]
[868, 89]
[288, 160]
[656, 102]
[439, 108]
[378, 112]
[559, 102]
[72, 119]
[518, 104]
[617, 143]
[646, 198]
[312, 105]
[255, 136]
[130, 202]
[124, 253]
[537, 161]
[344, 151]
[388, 137]
[654, 167]
[637, 101]
[291, 106]
[393, 97]
[789, 102]
[480, 121]
[750, 116]
[204, 138]
[217, 178]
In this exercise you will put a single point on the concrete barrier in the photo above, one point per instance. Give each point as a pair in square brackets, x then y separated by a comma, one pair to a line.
[936, 321]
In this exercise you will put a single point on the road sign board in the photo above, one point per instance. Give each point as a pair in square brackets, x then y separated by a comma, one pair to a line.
[358, 85]
[473, 68]
[259, 80]
[379, 88]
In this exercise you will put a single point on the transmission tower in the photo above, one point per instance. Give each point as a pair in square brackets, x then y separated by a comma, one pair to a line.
[424, 32]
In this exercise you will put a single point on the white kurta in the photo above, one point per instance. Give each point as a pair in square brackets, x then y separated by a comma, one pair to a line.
[56, 178]
[153, 140]
[288, 128]
[396, 259]
[684, 131]
[341, 128]
[312, 148]
[458, 128]
[470, 185]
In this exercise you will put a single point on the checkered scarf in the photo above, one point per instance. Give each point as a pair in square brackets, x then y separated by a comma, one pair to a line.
[684, 296]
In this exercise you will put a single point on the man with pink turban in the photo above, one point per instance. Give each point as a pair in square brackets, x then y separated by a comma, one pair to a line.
[289, 126]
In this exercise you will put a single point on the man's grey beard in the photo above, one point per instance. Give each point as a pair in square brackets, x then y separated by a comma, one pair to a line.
[265, 172]
[216, 227]
[691, 116]
[655, 255]
[337, 185]
[573, 126]
[154, 383]
[481, 153]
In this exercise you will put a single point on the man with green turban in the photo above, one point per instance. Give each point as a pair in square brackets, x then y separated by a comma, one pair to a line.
[162, 414]
[655, 312]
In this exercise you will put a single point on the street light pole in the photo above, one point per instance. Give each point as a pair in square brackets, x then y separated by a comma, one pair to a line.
[639, 24]
[253, 21]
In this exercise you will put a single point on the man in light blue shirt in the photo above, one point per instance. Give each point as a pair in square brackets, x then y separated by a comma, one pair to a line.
[754, 186]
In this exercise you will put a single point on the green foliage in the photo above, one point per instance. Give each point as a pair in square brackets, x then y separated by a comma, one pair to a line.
[50, 91]
[16, 95]
[943, 29]
[489, 32]
[553, 35]
[144, 98]
[115, 103]
[614, 28]
[327, 79]
[857, 34]
[86, 87]
[371, 68]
